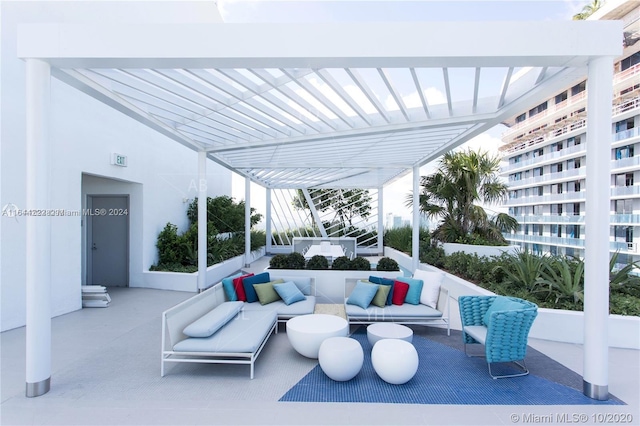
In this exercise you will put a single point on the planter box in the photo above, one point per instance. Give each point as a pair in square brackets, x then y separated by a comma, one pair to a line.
[551, 324]
[181, 281]
[330, 283]
[479, 250]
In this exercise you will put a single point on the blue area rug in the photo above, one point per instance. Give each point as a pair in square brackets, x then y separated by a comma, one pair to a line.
[445, 376]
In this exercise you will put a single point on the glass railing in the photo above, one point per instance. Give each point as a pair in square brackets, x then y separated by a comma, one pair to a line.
[552, 218]
[624, 218]
[625, 162]
[569, 242]
[626, 134]
[548, 156]
[625, 190]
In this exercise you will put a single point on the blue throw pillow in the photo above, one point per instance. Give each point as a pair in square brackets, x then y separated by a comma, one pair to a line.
[500, 303]
[248, 283]
[227, 285]
[362, 294]
[289, 292]
[383, 281]
[415, 288]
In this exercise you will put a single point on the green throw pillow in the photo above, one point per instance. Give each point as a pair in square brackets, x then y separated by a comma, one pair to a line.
[266, 293]
[380, 299]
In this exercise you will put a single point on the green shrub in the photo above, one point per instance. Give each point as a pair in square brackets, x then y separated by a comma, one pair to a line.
[295, 261]
[279, 261]
[318, 262]
[433, 256]
[387, 264]
[360, 264]
[224, 213]
[168, 244]
[341, 263]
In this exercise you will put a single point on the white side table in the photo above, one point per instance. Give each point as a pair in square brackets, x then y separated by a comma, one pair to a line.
[395, 361]
[384, 330]
[341, 358]
[307, 332]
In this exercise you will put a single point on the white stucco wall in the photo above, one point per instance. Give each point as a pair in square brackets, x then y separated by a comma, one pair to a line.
[84, 134]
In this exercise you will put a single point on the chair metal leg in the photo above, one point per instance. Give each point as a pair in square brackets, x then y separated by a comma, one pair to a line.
[506, 376]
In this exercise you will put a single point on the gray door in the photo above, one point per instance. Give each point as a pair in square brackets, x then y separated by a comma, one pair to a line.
[108, 240]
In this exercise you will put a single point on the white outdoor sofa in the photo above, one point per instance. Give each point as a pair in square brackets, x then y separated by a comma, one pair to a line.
[239, 341]
[402, 314]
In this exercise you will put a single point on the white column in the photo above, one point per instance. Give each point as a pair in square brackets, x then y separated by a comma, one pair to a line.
[202, 220]
[38, 260]
[415, 246]
[380, 222]
[596, 283]
[247, 221]
[268, 221]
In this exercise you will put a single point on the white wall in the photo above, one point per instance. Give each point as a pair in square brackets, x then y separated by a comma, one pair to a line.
[83, 135]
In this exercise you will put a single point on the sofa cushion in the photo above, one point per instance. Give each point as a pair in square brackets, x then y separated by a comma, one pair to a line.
[392, 313]
[400, 290]
[229, 290]
[248, 283]
[415, 288]
[266, 293]
[500, 303]
[211, 322]
[289, 292]
[362, 294]
[431, 282]
[380, 299]
[237, 285]
[384, 281]
[284, 311]
[243, 334]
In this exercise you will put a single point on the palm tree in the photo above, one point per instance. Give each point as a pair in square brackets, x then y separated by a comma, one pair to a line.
[463, 179]
[588, 10]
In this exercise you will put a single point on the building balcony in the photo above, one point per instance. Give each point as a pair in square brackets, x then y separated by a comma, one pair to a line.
[547, 158]
[533, 181]
[624, 219]
[578, 243]
[565, 197]
[552, 218]
[625, 191]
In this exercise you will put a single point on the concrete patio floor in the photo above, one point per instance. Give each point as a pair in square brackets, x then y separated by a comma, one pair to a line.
[106, 371]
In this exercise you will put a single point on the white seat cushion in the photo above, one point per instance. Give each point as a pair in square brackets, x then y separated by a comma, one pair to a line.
[478, 332]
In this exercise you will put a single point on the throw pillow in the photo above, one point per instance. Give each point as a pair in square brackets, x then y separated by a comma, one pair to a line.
[289, 292]
[213, 321]
[248, 283]
[237, 285]
[384, 281]
[431, 286]
[415, 288]
[363, 294]
[500, 303]
[380, 299]
[266, 293]
[400, 290]
[229, 290]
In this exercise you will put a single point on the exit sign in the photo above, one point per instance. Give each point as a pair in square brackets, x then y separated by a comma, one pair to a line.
[119, 160]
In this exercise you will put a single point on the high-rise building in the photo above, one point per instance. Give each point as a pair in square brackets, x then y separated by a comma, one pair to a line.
[544, 157]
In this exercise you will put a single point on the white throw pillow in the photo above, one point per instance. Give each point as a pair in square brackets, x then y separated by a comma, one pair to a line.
[431, 286]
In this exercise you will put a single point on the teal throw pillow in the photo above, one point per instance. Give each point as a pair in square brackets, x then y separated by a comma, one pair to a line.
[248, 283]
[289, 292]
[415, 288]
[229, 290]
[500, 303]
[363, 294]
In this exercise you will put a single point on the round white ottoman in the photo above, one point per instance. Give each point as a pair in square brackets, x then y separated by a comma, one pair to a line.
[341, 358]
[395, 361]
[307, 332]
[383, 330]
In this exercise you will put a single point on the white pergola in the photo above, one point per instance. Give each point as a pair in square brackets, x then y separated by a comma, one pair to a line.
[322, 106]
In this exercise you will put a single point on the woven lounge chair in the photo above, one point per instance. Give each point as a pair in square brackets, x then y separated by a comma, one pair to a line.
[501, 324]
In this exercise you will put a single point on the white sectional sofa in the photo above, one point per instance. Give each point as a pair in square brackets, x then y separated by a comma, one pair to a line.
[210, 328]
[406, 313]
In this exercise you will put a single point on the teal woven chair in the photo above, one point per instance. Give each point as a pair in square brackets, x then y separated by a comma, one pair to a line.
[499, 323]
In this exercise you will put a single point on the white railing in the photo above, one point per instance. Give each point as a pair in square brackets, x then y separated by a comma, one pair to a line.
[545, 219]
[625, 190]
[579, 172]
[625, 162]
[550, 156]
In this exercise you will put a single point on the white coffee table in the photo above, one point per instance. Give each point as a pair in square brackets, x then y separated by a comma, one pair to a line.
[307, 332]
[386, 330]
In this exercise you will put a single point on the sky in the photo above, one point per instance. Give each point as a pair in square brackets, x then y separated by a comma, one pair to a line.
[242, 11]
